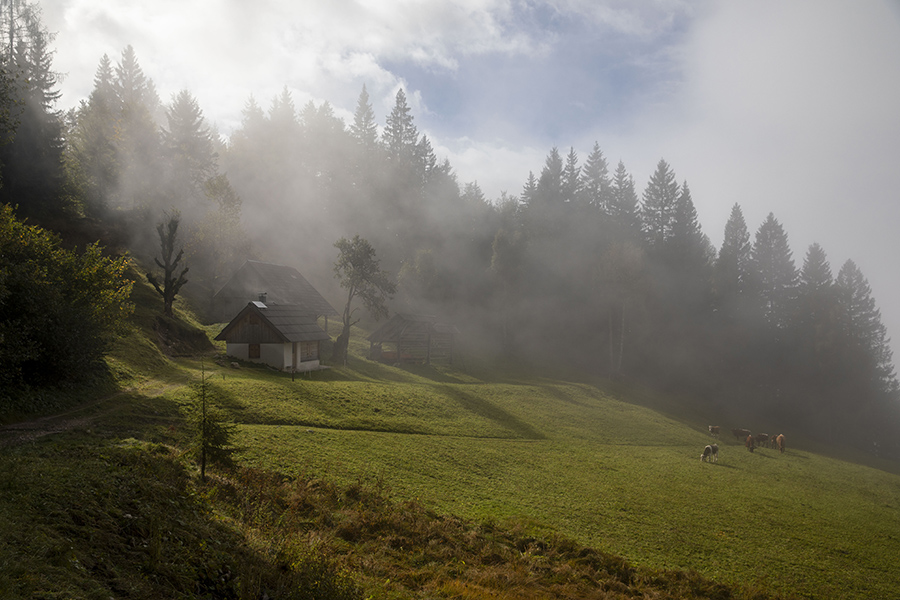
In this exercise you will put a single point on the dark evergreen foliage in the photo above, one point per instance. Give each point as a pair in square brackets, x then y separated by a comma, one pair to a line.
[658, 207]
[33, 174]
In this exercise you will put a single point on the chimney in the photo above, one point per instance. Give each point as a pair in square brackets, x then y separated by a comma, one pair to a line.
[262, 297]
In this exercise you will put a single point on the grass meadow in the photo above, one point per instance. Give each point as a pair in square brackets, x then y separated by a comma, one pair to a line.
[568, 457]
[111, 506]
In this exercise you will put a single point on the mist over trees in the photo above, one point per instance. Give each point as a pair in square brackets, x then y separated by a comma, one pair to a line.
[583, 267]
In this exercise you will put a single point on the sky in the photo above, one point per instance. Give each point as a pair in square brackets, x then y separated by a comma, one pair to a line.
[784, 107]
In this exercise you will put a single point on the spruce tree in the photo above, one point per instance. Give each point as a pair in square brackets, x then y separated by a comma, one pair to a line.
[570, 180]
[400, 133]
[864, 337]
[549, 185]
[624, 207]
[774, 275]
[364, 128]
[134, 89]
[92, 150]
[688, 245]
[690, 257]
[816, 345]
[732, 269]
[596, 189]
[529, 190]
[189, 148]
[33, 173]
[868, 387]
[138, 139]
[658, 207]
[816, 289]
[212, 433]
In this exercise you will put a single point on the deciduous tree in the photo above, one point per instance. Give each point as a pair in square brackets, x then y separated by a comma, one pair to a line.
[172, 280]
[360, 273]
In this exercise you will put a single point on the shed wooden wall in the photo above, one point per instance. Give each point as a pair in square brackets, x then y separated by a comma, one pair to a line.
[253, 330]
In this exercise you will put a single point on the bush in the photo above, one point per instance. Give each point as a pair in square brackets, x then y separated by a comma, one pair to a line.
[59, 309]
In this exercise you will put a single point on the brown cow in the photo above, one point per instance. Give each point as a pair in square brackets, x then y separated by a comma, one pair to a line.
[761, 439]
[740, 433]
[750, 443]
[779, 442]
[714, 430]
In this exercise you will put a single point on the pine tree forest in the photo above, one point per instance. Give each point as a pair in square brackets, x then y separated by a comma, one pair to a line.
[584, 267]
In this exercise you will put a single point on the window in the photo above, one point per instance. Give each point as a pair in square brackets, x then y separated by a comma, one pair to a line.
[309, 351]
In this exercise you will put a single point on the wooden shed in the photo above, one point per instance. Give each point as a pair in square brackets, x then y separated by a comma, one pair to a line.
[268, 283]
[286, 337]
[407, 338]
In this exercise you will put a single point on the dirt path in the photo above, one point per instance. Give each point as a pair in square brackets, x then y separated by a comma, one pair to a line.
[17, 434]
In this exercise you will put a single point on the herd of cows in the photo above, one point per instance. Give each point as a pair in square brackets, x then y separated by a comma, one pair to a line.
[711, 452]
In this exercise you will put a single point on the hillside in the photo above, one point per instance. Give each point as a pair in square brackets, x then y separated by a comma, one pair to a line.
[370, 480]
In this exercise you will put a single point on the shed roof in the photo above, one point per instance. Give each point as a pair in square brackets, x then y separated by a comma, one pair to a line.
[291, 322]
[401, 323]
[282, 285]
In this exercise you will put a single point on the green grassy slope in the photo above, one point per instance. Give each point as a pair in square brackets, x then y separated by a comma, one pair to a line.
[610, 474]
[486, 445]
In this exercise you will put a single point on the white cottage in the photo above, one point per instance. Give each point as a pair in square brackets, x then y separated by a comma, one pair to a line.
[283, 336]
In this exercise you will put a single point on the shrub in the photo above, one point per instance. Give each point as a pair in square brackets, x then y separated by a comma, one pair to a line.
[59, 309]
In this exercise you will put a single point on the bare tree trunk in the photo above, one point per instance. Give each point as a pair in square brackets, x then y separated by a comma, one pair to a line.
[170, 284]
[339, 353]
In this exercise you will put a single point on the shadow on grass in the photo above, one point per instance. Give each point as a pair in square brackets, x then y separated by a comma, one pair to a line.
[431, 373]
[763, 455]
[488, 411]
[561, 395]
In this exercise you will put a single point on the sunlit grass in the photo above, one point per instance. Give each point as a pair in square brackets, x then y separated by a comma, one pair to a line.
[610, 474]
[595, 464]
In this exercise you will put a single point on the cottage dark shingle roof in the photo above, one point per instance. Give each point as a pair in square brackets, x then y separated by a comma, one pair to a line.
[292, 323]
[394, 328]
[282, 285]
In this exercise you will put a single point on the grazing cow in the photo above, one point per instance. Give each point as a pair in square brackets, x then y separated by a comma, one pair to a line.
[750, 443]
[710, 453]
[740, 433]
[762, 439]
[714, 430]
[779, 442]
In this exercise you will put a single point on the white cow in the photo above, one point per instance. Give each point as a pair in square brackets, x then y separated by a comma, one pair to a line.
[710, 453]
